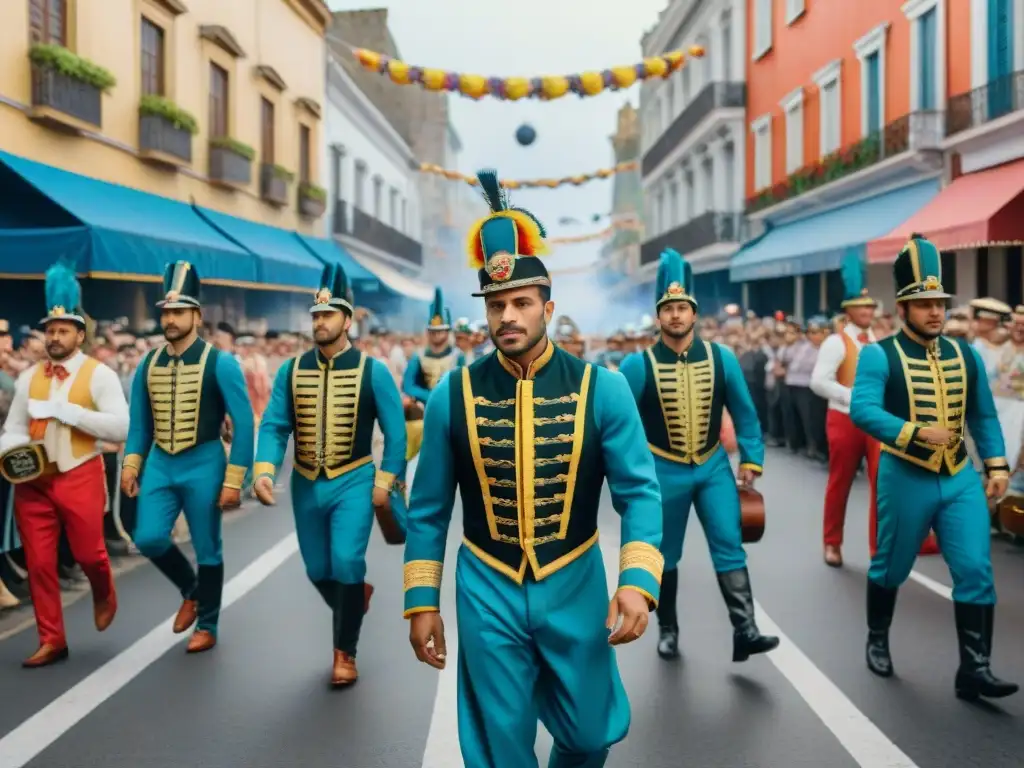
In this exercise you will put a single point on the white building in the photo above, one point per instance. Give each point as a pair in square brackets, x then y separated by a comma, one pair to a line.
[692, 145]
[374, 209]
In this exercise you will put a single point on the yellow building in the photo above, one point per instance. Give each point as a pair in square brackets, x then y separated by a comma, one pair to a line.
[212, 103]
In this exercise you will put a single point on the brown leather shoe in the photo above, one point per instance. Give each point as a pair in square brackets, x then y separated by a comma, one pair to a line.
[45, 656]
[186, 616]
[345, 672]
[367, 594]
[201, 641]
[833, 556]
[103, 611]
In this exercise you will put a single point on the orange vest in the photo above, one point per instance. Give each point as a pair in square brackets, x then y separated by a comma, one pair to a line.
[82, 443]
[847, 370]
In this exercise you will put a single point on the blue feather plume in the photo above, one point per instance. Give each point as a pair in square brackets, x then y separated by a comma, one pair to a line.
[852, 272]
[62, 288]
[438, 306]
[495, 195]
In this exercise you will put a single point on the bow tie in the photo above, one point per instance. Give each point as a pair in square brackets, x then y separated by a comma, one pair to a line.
[863, 338]
[56, 370]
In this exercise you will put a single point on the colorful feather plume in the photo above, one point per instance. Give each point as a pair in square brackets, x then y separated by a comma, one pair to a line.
[852, 272]
[62, 288]
[530, 232]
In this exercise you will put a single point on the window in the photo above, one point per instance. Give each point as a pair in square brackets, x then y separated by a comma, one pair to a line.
[47, 21]
[830, 106]
[152, 56]
[690, 202]
[267, 139]
[337, 155]
[762, 129]
[729, 178]
[305, 155]
[928, 53]
[870, 50]
[708, 172]
[670, 100]
[393, 207]
[687, 89]
[378, 192]
[794, 10]
[673, 205]
[762, 27]
[218, 102]
[1000, 55]
[360, 186]
[726, 41]
[404, 223]
[793, 108]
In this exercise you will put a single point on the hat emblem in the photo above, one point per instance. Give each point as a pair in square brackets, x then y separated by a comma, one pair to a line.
[58, 311]
[675, 289]
[437, 320]
[931, 283]
[499, 268]
[323, 296]
[172, 296]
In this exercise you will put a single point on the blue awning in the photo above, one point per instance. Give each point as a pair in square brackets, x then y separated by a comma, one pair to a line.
[111, 231]
[283, 261]
[819, 243]
[329, 252]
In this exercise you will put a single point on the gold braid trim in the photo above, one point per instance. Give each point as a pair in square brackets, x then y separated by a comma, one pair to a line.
[639, 554]
[906, 435]
[234, 476]
[423, 573]
[132, 461]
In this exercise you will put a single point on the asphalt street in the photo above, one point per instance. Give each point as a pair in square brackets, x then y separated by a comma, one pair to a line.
[131, 697]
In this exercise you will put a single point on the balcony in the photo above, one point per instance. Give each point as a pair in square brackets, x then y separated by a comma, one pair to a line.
[65, 102]
[913, 133]
[998, 98]
[163, 142]
[713, 96]
[704, 230]
[354, 223]
[274, 182]
[230, 163]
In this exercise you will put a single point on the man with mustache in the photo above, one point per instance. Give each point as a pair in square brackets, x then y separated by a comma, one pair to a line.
[682, 385]
[180, 396]
[329, 398]
[528, 434]
[915, 393]
[61, 409]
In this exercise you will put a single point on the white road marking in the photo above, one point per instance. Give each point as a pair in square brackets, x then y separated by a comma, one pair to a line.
[928, 582]
[860, 737]
[47, 725]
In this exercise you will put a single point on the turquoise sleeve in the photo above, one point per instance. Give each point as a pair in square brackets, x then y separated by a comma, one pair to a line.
[983, 420]
[391, 417]
[636, 495]
[635, 371]
[430, 507]
[410, 381]
[140, 414]
[277, 424]
[749, 437]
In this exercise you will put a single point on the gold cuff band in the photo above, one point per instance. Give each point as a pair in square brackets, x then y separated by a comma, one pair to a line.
[261, 468]
[640, 554]
[234, 476]
[384, 480]
[423, 573]
[753, 467]
[132, 461]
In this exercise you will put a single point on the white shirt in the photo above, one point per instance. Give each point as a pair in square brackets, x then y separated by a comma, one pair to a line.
[109, 422]
[831, 354]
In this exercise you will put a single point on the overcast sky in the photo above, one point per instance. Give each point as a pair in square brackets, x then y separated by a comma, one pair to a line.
[529, 38]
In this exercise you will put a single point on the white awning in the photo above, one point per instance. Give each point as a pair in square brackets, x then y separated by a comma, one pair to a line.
[395, 280]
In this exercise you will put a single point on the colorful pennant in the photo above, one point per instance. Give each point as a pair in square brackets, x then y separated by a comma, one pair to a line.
[583, 178]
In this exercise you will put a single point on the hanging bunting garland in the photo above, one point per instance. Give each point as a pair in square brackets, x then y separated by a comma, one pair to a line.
[546, 88]
[626, 223]
[583, 178]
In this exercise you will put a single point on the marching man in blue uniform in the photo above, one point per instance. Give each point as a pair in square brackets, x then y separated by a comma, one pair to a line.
[681, 385]
[329, 398]
[915, 393]
[180, 396]
[528, 434]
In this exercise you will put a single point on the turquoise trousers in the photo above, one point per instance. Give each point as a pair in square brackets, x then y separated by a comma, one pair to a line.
[537, 652]
[911, 501]
[333, 521]
[711, 489]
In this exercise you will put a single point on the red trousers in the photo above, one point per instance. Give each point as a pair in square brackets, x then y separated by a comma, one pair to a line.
[75, 500]
[847, 447]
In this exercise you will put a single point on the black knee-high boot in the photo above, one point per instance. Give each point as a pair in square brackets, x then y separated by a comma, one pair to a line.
[974, 678]
[208, 596]
[881, 605]
[328, 591]
[739, 599]
[668, 619]
[348, 616]
[175, 566]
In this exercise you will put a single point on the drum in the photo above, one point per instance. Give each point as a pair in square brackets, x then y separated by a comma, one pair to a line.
[1011, 514]
[751, 514]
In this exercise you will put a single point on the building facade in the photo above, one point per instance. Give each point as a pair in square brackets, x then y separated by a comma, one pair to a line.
[619, 256]
[978, 217]
[208, 112]
[692, 141]
[373, 189]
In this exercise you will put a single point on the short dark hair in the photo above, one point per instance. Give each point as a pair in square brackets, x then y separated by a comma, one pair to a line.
[226, 328]
[545, 293]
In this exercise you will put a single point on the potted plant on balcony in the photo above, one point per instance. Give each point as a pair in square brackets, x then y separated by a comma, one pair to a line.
[66, 88]
[165, 131]
[274, 181]
[231, 162]
[312, 200]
